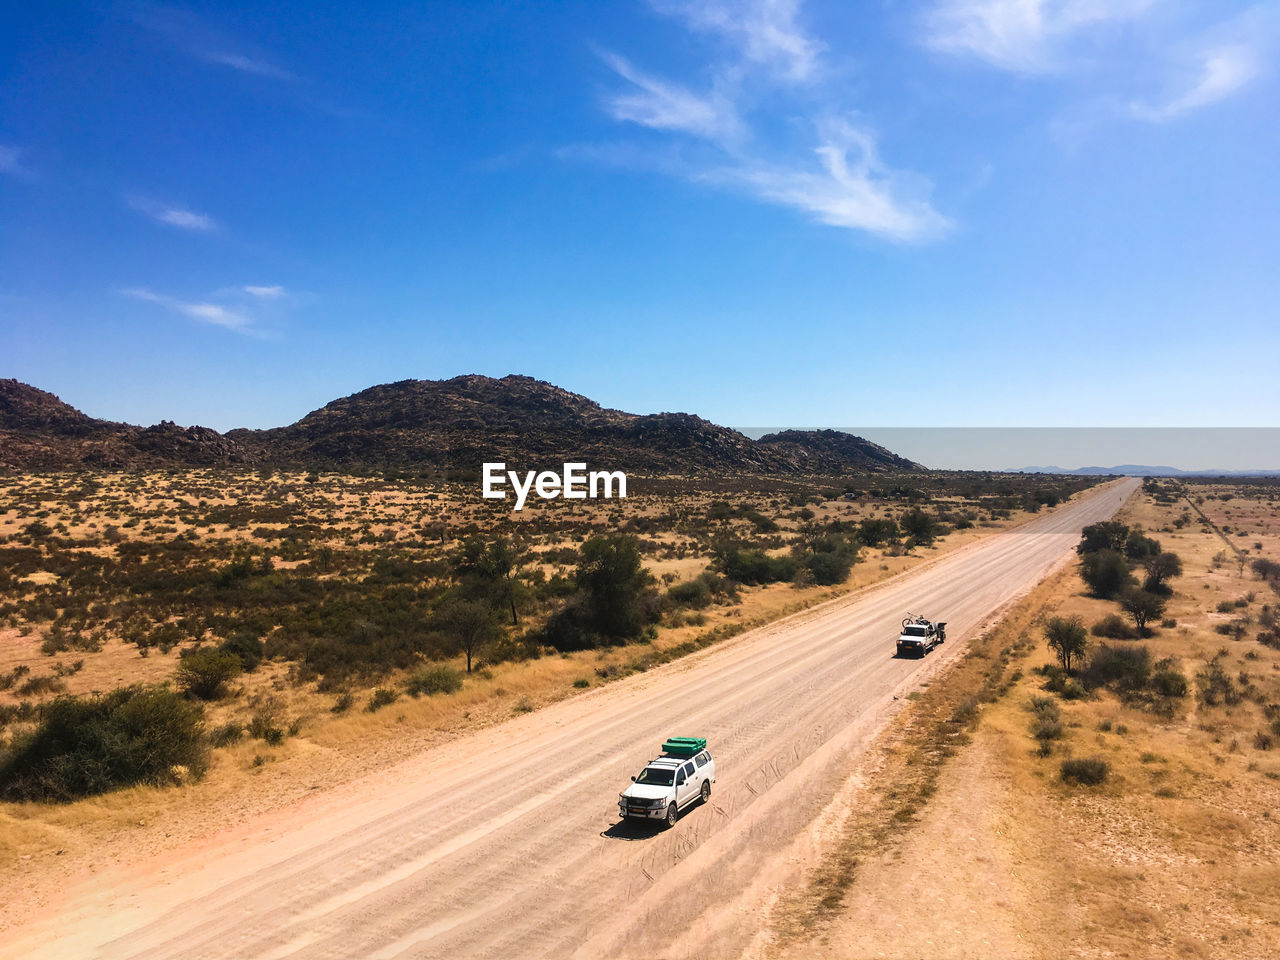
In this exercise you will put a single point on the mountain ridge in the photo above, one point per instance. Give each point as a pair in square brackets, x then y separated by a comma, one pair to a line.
[440, 424]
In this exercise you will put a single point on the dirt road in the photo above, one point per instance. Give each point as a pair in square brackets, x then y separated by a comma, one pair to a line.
[507, 843]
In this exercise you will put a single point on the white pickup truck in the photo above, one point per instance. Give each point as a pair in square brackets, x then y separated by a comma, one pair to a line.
[919, 636]
[679, 778]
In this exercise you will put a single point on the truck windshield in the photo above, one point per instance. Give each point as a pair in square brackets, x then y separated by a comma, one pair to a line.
[657, 776]
[914, 631]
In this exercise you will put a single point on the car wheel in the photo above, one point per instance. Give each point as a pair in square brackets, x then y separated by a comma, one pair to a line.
[706, 790]
[672, 813]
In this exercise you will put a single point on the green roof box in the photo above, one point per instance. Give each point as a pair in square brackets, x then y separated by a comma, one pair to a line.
[684, 746]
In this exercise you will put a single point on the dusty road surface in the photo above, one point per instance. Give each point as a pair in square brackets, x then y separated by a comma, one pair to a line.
[507, 844]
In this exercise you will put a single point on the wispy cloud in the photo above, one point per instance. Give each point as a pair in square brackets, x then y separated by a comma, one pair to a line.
[213, 313]
[172, 216]
[1024, 36]
[846, 185]
[766, 31]
[199, 38]
[1221, 73]
[264, 293]
[662, 105]
[831, 170]
[238, 61]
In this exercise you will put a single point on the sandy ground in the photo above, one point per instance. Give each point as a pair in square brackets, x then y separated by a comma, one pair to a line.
[506, 842]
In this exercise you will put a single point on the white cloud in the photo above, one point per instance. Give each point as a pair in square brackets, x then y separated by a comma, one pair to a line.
[1221, 73]
[666, 106]
[203, 40]
[847, 187]
[207, 312]
[173, 216]
[266, 293]
[835, 177]
[1024, 36]
[238, 61]
[765, 30]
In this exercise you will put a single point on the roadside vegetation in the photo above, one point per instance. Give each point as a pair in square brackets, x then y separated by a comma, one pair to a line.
[268, 602]
[1120, 752]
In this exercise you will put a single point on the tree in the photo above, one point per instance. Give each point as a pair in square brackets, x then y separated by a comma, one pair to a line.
[1106, 572]
[1161, 567]
[1108, 535]
[1138, 546]
[1067, 638]
[488, 570]
[204, 673]
[1143, 606]
[469, 624]
[613, 584]
[876, 530]
[920, 526]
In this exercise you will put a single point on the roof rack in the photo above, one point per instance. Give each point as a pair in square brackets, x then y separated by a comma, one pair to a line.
[684, 746]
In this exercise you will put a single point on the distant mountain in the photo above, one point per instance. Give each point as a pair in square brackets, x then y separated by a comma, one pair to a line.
[457, 423]
[39, 431]
[1140, 470]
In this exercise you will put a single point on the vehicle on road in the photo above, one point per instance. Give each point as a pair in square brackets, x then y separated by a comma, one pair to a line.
[680, 777]
[920, 635]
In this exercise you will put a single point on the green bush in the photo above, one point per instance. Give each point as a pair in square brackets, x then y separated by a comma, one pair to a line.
[1106, 573]
[1169, 683]
[440, 678]
[89, 745]
[204, 672]
[1090, 771]
[1126, 670]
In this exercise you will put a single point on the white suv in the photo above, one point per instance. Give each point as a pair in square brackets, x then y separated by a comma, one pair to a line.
[670, 783]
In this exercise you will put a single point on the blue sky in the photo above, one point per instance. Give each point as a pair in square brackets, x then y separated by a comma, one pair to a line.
[944, 213]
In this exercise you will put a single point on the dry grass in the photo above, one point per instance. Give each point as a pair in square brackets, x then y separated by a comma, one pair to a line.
[1177, 854]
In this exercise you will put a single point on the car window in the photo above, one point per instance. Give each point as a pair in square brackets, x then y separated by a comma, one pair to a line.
[702, 759]
[687, 770]
[680, 778]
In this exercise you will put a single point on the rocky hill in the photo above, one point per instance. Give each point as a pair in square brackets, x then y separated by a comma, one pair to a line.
[447, 424]
[833, 451]
[40, 432]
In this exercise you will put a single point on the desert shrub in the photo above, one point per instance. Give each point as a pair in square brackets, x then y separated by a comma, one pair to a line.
[582, 683]
[1046, 718]
[523, 705]
[440, 678]
[343, 702]
[226, 735]
[35, 686]
[205, 672]
[966, 711]
[1090, 771]
[1168, 682]
[694, 593]
[90, 745]
[381, 697]
[1215, 687]
[831, 559]
[1262, 740]
[1126, 670]
[247, 647]
[754, 567]
[1113, 627]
